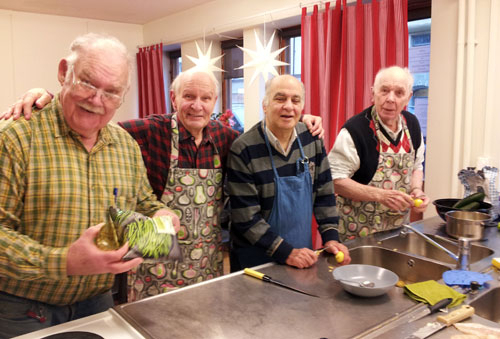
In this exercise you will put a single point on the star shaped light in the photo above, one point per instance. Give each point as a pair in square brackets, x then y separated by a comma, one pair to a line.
[203, 62]
[263, 59]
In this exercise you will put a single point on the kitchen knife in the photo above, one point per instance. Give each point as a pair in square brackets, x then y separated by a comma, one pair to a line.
[431, 309]
[267, 278]
[443, 321]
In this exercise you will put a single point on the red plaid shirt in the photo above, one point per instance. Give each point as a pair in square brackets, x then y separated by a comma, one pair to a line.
[153, 136]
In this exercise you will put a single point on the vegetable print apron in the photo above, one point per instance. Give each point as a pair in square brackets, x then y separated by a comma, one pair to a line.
[291, 214]
[361, 218]
[195, 195]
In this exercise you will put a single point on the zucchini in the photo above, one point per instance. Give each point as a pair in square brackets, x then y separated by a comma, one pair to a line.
[472, 206]
[476, 197]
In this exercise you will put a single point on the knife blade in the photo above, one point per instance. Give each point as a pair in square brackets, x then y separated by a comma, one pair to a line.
[266, 278]
[431, 309]
[443, 321]
[402, 319]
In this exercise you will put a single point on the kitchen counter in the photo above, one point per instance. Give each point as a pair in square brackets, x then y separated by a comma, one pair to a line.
[240, 306]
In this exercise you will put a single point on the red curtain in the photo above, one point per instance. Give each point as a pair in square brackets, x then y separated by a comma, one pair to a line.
[151, 86]
[342, 50]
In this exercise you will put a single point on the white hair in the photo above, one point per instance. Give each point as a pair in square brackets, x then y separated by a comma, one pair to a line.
[184, 76]
[104, 42]
[394, 70]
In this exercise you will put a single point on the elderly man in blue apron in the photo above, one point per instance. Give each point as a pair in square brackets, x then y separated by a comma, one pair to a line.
[377, 160]
[278, 177]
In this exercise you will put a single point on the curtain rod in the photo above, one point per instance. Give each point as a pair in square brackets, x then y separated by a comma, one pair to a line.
[214, 30]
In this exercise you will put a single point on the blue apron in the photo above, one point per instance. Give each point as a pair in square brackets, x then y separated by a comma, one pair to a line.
[292, 211]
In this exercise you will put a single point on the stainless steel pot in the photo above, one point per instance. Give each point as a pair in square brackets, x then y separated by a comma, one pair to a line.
[466, 224]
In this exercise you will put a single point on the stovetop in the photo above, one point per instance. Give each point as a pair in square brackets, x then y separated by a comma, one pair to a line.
[108, 325]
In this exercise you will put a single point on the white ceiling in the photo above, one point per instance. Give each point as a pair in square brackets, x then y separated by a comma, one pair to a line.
[127, 11]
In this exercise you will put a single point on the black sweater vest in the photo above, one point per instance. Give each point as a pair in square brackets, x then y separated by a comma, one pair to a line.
[366, 142]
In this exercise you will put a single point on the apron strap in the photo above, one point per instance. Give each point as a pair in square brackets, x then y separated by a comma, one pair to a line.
[303, 160]
[174, 147]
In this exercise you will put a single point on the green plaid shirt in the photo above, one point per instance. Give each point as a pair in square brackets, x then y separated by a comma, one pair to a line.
[51, 190]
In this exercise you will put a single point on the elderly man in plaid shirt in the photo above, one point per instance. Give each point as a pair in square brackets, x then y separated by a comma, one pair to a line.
[58, 175]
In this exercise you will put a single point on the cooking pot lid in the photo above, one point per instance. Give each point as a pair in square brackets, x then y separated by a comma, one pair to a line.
[464, 278]
[74, 335]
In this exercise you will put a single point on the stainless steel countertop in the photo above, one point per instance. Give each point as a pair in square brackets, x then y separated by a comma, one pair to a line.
[239, 306]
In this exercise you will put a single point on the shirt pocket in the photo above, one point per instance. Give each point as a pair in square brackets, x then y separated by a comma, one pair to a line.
[125, 201]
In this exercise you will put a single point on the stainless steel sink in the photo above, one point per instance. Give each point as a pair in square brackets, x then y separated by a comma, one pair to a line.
[486, 305]
[410, 269]
[412, 243]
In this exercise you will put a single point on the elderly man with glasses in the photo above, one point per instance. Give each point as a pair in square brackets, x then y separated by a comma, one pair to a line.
[58, 175]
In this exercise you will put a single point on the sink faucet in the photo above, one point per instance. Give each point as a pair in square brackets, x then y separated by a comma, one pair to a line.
[463, 248]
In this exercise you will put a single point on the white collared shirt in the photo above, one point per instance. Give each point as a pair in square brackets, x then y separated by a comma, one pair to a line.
[276, 143]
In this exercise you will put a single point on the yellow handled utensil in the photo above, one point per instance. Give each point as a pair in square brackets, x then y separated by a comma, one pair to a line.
[266, 278]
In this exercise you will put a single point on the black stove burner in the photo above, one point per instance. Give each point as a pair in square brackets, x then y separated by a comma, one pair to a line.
[74, 335]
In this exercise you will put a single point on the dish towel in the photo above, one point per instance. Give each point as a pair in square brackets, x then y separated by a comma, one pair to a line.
[431, 292]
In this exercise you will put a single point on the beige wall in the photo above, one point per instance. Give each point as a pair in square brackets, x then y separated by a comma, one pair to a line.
[463, 118]
[33, 44]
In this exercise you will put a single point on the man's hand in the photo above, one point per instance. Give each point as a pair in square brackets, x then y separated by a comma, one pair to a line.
[417, 193]
[314, 124]
[302, 258]
[85, 258]
[175, 218]
[395, 199]
[36, 96]
[335, 247]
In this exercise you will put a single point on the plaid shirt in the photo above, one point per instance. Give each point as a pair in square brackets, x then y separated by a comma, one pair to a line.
[51, 190]
[153, 134]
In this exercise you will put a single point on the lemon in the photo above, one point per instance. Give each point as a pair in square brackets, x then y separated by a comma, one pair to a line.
[400, 283]
[418, 202]
[339, 256]
[496, 262]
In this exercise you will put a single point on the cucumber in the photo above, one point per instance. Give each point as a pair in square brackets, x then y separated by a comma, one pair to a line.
[471, 207]
[476, 197]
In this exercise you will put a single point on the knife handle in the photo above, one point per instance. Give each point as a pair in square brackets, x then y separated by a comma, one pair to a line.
[440, 304]
[456, 316]
[254, 273]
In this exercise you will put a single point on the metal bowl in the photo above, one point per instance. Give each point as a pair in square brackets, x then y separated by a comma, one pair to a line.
[350, 277]
[466, 224]
[445, 205]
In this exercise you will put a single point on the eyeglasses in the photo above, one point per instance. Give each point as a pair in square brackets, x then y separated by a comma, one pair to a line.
[87, 90]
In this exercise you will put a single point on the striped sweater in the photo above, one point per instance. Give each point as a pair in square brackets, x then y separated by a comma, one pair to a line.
[251, 189]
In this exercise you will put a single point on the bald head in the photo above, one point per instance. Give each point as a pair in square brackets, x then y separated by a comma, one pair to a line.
[283, 78]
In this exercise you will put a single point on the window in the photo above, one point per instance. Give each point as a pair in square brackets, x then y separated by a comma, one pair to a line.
[419, 32]
[174, 69]
[233, 85]
[291, 37]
